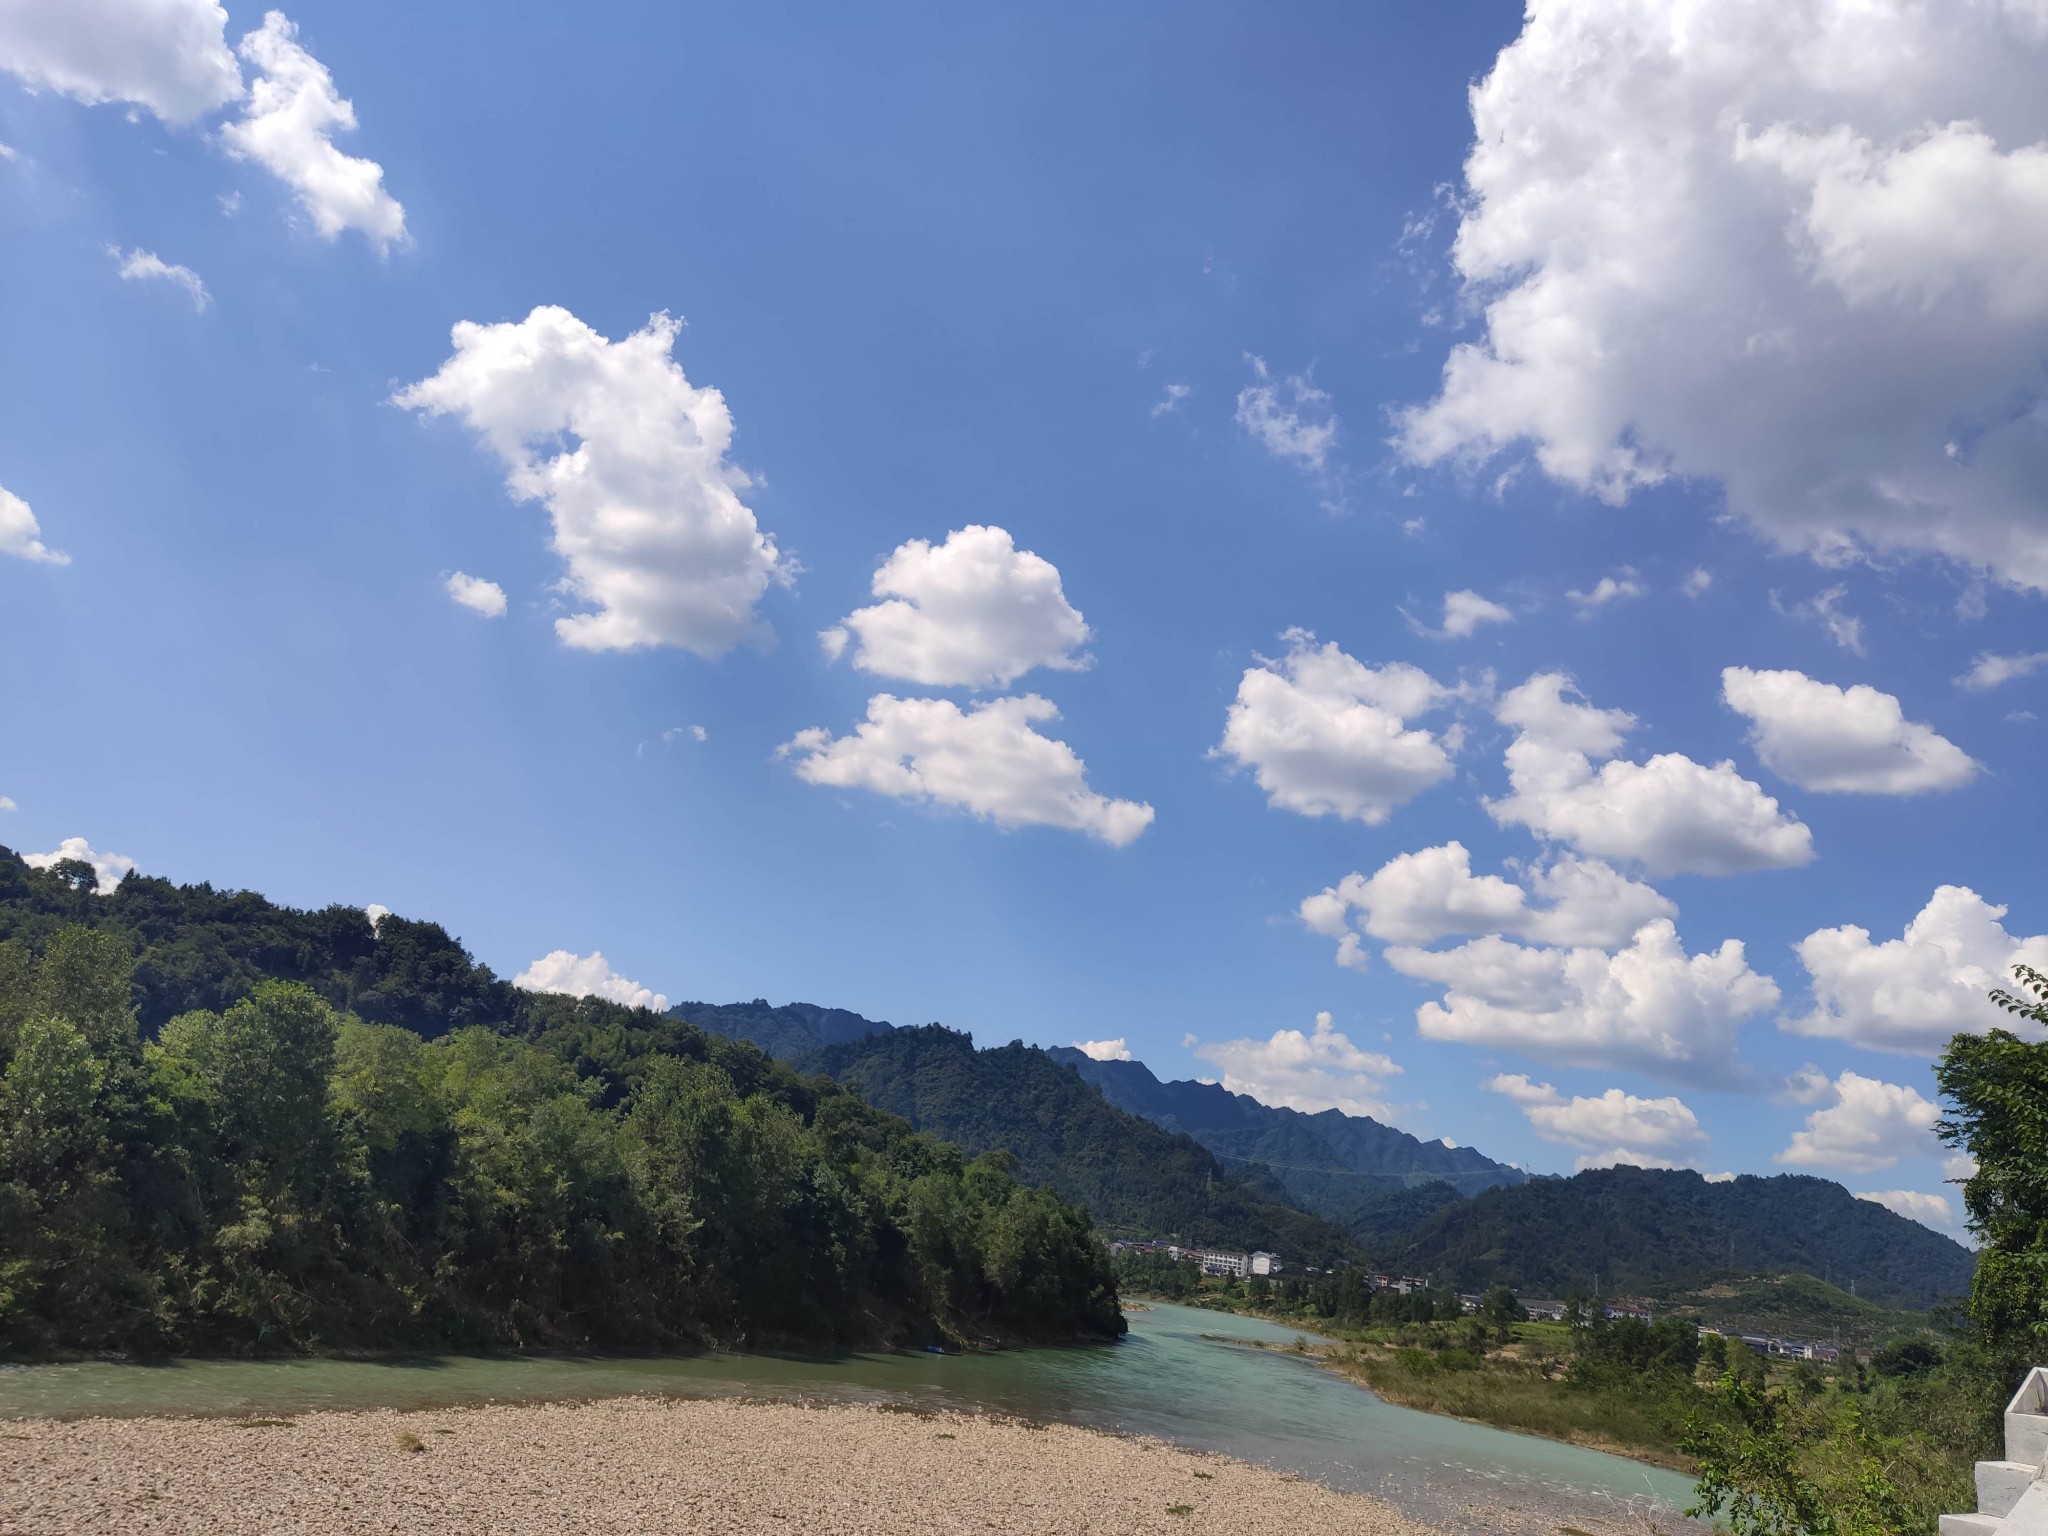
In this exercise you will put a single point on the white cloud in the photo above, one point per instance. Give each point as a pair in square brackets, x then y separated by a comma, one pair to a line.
[1649, 1007]
[1810, 271]
[1290, 418]
[1671, 814]
[1104, 1050]
[170, 56]
[987, 760]
[1870, 1125]
[1464, 612]
[694, 732]
[9, 152]
[646, 511]
[1958, 1167]
[1989, 670]
[975, 610]
[376, 912]
[1614, 1127]
[588, 975]
[109, 867]
[1841, 740]
[1311, 1072]
[1697, 581]
[1169, 402]
[1912, 993]
[21, 534]
[1929, 1210]
[1608, 589]
[1327, 735]
[1826, 610]
[287, 128]
[7, 803]
[1432, 894]
[147, 266]
[477, 594]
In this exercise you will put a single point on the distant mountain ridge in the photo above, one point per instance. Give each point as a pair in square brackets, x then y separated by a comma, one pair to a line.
[1135, 1177]
[1369, 1178]
[1634, 1230]
[1341, 1166]
[1138, 1178]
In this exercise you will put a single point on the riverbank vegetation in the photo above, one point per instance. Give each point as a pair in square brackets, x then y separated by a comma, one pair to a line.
[199, 1158]
[1878, 1443]
[1910, 1417]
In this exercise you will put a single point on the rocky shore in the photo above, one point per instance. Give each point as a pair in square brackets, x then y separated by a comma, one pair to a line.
[640, 1465]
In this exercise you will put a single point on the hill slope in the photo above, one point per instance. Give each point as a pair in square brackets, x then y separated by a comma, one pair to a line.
[1134, 1176]
[1637, 1229]
[784, 1032]
[1336, 1164]
[350, 1135]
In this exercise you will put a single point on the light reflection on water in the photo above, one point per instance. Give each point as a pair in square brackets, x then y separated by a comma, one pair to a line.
[1165, 1379]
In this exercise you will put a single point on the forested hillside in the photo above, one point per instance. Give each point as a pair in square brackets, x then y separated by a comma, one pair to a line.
[1369, 1178]
[1636, 1229]
[785, 1032]
[231, 1126]
[1132, 1175]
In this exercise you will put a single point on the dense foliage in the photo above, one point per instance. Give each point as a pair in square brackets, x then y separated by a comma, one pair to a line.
[1997, 1084]
[199, 1155]
[1624, 1230]
[1135, 1177]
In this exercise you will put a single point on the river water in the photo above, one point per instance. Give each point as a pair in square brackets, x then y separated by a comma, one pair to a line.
[1175, 1376]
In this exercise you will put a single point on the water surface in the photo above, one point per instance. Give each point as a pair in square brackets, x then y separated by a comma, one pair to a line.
[1175, 1377]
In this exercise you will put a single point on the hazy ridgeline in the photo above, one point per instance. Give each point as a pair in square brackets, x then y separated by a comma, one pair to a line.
[229, 1126]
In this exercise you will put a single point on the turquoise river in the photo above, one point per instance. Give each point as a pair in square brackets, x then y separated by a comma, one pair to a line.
[1177, 1376]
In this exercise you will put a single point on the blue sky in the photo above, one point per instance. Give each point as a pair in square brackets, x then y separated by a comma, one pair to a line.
[1179, 336]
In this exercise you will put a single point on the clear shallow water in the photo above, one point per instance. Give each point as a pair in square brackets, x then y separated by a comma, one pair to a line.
[1165, 1379]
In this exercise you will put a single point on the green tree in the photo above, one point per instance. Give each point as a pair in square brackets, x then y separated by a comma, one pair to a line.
[1750, 1474]
[1997, 1085]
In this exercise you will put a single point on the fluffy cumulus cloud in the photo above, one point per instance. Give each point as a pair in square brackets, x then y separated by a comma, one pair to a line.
[1929, 1210]
[986, 759]
[975, 610]
[1868, 1125]
[476, 594]
[148, 267]
[1104, 1050]
[589, 975]
[1290, 418]
[1671, 814]
[170, 56]
[1464, 612]
[21, 535]
[1432, 894]
[109, 869]
[1614, 1127]
[287, 127]
[1607, 590]
[1989, 670]
[1842, 740]
[1647, 1007]
[1912, 993]
[1312, 1071]
[1327, 735]
[645, 505]
[1813, 273]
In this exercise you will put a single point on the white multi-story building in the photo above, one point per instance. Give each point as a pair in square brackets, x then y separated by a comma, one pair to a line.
[1264, 1263]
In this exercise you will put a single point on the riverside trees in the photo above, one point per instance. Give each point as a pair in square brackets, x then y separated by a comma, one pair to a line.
[279, 1174]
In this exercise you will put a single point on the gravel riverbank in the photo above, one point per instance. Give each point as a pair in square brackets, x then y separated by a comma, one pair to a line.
[638, 1465]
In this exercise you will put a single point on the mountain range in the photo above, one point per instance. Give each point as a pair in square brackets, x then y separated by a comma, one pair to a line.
[1156, 1158]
